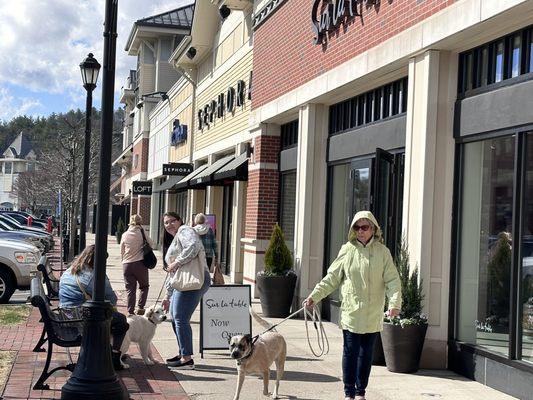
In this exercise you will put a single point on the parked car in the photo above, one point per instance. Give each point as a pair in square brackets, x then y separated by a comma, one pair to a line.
[17, 260]
[22, 218]
[26, 237]
[11, 225]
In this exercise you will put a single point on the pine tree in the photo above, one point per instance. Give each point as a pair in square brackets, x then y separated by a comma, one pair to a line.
[278, 258]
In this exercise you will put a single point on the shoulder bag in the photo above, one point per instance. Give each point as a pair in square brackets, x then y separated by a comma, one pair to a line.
[149, 258]
[190, 276]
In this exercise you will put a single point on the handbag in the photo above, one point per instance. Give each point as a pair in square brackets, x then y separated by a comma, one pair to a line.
[190, 276]
[218, 278]
[149, 258]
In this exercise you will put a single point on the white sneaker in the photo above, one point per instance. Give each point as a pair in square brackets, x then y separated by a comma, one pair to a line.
[359, 398]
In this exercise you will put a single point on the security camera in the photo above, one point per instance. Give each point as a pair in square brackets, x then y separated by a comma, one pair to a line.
[191, 53]
[224, 11]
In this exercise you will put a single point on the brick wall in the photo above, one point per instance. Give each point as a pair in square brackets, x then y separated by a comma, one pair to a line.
[140, 151]
[262, 191]
[143, 209]
[285, 56]
[133, 208]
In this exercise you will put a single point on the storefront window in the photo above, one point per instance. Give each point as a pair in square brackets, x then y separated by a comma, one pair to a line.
[527, 259]
[485, 243]
[515, 66]
[288, 204]
[498, 69]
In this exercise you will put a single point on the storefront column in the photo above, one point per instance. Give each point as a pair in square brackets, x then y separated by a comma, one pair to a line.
[428, 191]
[214, 203]
[261, 199]
[311, 188]
[239, 211]
[156, 214]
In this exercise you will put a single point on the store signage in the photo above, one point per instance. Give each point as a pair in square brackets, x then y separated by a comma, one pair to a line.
[328, 15]
[225, 103]
[182, 169]
[142, 187]
[224, 312]
[179, 133]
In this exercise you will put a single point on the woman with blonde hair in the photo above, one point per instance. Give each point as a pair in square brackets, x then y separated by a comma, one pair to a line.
[133, 268]
[76, 286]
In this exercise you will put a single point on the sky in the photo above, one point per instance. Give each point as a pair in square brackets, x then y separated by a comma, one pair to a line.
[43, 43]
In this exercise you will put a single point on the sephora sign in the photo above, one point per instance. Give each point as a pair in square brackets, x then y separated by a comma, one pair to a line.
[328, 15]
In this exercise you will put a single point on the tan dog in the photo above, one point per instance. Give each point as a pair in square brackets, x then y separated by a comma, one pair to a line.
[258, 357]
[142, 331]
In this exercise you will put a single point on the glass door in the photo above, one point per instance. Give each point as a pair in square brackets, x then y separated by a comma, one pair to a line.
[225, 241]
[382, 191]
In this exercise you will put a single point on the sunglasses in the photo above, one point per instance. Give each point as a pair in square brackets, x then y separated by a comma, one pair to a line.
[363, 228]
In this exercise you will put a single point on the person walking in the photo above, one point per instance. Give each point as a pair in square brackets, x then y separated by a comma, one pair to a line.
[208, 239]
[365, 272]
[133, 268]
[185, 246]
[76, 286]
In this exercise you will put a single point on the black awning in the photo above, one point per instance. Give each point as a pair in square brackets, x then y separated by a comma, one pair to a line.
[205, 178]
[236, 170]
[171, 181]
[183, 184]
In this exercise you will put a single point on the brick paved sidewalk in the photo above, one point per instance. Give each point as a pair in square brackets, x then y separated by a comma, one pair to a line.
[143, 382]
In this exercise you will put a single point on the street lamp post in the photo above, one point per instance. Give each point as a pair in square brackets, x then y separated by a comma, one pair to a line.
[94, 376]
[89, 74]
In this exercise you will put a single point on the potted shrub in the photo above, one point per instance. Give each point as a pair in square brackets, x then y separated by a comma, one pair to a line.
[277, 282]
[403, 337]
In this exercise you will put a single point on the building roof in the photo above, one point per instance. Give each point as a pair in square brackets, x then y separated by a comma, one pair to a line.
[178, 18]
[19, 148]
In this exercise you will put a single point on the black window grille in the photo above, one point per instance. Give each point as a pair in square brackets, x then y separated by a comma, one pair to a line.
[501, 59]
[289, 134]
[383, 102]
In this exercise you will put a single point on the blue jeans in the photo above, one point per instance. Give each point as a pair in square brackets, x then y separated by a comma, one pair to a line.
[357, 361]
[182, 305]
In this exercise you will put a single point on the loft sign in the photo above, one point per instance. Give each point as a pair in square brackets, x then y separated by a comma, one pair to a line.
[142, 187]
[328, 15]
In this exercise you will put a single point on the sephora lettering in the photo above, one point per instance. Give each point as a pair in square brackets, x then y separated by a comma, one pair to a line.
[225, 103]
[328, 15]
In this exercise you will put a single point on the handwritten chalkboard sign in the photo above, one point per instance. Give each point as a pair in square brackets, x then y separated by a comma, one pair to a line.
[223, 314]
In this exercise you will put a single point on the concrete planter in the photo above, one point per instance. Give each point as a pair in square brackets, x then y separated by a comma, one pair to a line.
[403, 346]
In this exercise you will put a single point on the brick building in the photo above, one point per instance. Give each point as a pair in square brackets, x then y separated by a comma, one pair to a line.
[419, 111]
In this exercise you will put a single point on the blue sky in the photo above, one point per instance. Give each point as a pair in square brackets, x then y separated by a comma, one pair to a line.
[43, 43]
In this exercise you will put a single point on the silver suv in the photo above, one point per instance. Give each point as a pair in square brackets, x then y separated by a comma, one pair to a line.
[17, 260]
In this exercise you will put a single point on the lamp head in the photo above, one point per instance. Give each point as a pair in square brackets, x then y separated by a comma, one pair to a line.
[191, 53]
[89, 72]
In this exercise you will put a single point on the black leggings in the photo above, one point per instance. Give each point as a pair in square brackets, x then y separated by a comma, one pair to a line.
[119, 327]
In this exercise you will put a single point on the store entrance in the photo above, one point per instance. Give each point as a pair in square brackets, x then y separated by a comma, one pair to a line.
[373, 183]
[225, 239]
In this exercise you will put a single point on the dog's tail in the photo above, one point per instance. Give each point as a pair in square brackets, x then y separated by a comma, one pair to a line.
[260, 320]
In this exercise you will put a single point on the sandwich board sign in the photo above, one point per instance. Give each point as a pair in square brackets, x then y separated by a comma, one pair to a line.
[223, 314]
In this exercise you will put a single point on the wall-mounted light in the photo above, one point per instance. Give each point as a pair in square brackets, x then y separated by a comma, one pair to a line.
[191, 53]
[249, 149]
[224, 12]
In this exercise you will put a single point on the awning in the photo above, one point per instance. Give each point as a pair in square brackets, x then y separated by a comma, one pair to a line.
[236, 170]
[168, 184]
[206, 177]
[184, 183]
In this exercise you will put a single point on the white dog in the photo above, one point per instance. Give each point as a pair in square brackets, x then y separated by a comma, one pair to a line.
[141, 331]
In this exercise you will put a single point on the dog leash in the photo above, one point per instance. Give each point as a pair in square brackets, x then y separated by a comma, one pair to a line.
[162, 287]
[315, 317]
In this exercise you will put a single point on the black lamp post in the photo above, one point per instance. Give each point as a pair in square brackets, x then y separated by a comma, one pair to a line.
[94, 376]
[89, 74]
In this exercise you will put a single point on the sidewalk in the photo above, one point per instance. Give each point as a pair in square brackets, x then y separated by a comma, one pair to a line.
[306, 377]
[143, 382]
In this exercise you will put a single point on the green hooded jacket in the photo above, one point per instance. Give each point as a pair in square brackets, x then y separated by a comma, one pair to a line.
[364, 274]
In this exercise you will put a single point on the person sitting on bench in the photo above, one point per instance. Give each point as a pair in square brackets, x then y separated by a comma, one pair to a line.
[76, 287]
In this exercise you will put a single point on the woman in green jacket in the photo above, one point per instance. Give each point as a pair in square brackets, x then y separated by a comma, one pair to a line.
[364, 271]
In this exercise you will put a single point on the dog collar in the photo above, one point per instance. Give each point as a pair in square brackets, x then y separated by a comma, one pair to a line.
[152, 321]
[240, 360]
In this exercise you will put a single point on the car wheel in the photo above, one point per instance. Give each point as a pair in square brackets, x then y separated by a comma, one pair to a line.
[7, 286]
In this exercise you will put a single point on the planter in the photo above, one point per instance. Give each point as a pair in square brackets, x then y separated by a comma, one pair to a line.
[403, 346]
[378, 357]
[276, 293]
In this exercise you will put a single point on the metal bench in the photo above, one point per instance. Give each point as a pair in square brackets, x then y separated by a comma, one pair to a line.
[62, 326]
[49, 278]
